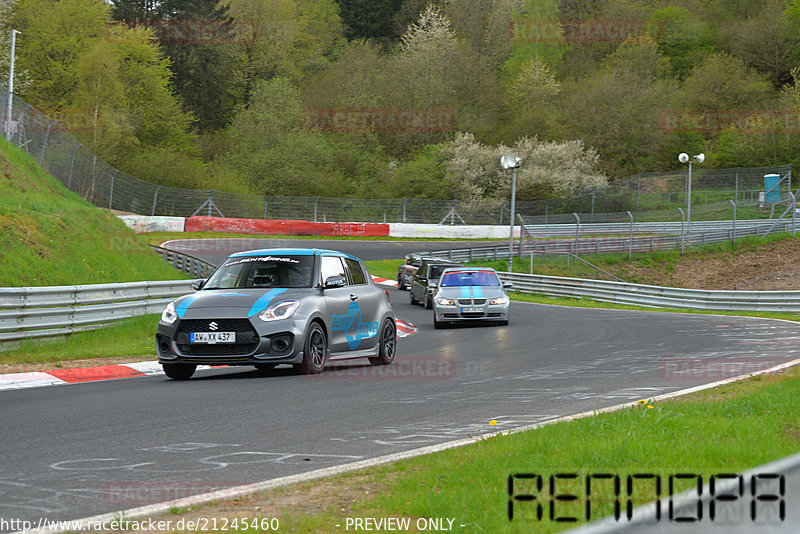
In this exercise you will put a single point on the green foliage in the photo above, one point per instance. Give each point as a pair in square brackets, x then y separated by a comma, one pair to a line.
[50, 236]
[684, 38]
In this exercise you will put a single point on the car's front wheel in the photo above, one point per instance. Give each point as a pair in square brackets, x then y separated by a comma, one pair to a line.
[438, 324]
[315, 350]
[387, 344]
[400, 284]
[411, 297]
[429, 303]
[179, 371]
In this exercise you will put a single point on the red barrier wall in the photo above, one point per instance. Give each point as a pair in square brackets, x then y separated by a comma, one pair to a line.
[290, 227]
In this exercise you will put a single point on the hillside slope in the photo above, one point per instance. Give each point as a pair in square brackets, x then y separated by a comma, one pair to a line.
[50, 236]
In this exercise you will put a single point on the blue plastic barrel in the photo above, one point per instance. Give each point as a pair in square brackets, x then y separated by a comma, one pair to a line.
[772, 187]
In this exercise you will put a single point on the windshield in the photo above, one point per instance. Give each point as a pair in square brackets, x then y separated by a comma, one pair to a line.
[469, 278]
[436, 271]
[263, 271]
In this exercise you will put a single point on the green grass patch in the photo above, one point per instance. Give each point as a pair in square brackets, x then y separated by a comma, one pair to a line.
[724, 430]
[384, 268]
[663, 261]
[51, 236]
[125, 338]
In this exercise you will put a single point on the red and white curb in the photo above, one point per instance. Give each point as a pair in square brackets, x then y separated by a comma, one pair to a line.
[58, 377]
[384, 281]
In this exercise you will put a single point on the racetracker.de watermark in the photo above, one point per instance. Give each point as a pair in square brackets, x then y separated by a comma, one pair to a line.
[744, 120]
[406, 368]
[72, 119]
[387, 120]
[188, 32]
[584, 31]
[717, 368]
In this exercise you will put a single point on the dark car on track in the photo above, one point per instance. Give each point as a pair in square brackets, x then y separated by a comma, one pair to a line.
[405, 273]
[470, 294]
[423, 285]
[302, 307]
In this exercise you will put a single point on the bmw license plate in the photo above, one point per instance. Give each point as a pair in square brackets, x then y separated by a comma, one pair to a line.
[471, 310]
[212, 337]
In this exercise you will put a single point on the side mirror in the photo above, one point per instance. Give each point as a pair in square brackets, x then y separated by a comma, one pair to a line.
[335, 281]
[508, 285]
[198, 284]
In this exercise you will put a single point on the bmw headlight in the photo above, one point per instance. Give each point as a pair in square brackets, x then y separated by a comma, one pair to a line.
[169, 315]
[281, 310]
[445, 302]
[499, 300]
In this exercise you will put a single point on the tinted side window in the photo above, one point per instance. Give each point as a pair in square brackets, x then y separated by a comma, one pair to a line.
[332, 266]
[356, 271]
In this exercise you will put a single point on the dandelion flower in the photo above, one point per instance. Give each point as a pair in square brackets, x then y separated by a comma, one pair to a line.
[642, 401]
[492, 422]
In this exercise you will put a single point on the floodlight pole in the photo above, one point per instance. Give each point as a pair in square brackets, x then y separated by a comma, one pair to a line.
[511, 229]
[9, 133]
[689, 203]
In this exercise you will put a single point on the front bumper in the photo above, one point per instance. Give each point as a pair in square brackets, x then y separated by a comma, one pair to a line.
[483, 313]
[256, 341]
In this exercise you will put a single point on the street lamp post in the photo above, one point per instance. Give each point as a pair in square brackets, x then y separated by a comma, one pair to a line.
[683, 157]
[511, 161]
[9, 133]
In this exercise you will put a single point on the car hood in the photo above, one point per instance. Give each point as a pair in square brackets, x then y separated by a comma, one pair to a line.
[234, 302]
[467, 292]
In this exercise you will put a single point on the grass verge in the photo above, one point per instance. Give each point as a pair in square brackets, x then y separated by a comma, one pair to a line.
[700, 434]
[134, 337]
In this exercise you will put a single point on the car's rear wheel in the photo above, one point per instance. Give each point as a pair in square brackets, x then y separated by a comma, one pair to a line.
[264, 366]
[400, 284]
[179, 371]
[315, 350]
[387, 344]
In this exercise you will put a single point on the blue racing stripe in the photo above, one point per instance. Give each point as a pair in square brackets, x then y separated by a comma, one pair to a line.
[264, 300]
[464, 292]
[478, 292]
[181, 308]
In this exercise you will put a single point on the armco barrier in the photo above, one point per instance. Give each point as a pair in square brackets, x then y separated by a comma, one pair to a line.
[28, 312]
[654, 296]
[441, 231]
[284, 227]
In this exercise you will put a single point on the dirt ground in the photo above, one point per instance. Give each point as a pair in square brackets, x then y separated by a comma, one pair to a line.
[775, 266]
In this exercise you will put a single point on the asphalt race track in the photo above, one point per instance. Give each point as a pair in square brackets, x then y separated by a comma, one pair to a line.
[85, 449]
[216, 250]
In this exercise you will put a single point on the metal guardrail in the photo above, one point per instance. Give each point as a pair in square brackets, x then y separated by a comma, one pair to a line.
[568, 229]
[601, 245]
[33, 312]
[654, 296]
[196, 267]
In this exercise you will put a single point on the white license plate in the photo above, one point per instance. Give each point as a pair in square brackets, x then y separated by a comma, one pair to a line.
[212, 337]
[471, 310]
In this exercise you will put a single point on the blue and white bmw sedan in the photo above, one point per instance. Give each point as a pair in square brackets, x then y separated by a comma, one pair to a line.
[470, 294]
[303, 307]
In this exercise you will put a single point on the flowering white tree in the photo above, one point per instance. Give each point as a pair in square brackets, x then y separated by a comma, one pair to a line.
[548, 168]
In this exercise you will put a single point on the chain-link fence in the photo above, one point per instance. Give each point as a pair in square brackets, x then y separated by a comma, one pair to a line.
[61, 154]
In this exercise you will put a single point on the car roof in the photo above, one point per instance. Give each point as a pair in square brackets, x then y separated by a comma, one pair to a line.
[293, 252]
[469, 269]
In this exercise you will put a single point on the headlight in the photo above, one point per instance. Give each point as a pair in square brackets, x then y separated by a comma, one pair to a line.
[281, 310]
[446, 302]
[168, 315]
[499, 300]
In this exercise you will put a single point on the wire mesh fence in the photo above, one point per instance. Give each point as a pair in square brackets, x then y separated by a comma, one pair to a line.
[648, 194]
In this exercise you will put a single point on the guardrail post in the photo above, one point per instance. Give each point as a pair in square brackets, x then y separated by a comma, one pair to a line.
[72, 165]
[405, 201]
[630, 236]
[794, 212]
[683, 220]
[316, 201]
[266, 203]
[734, 221]
[577, 234]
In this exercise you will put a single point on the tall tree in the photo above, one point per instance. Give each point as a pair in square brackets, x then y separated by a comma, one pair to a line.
[371, 19]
